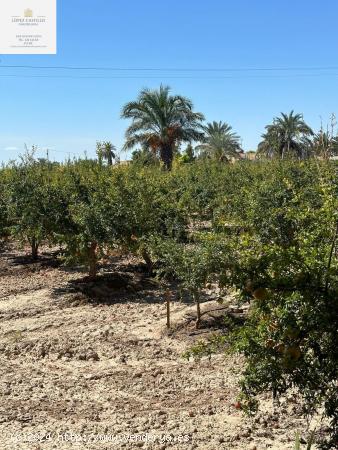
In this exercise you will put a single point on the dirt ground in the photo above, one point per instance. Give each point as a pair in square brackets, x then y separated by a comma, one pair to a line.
[91, 366]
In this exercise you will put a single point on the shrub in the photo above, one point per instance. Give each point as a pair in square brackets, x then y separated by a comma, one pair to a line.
[35, 208]
[284, 262]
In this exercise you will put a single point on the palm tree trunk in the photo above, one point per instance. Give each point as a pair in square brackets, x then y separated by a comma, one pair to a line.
[109, 159]
[166, 155]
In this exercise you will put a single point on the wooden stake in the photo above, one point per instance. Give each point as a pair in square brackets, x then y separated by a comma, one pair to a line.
[167, 297]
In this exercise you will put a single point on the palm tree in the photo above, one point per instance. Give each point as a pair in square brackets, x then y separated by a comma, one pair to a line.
[219, 142]
[325, 145]
[161, 121]
[106, 150]
[288, 134]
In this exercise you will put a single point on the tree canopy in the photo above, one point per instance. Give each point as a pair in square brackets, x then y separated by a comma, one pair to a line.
[160, 121]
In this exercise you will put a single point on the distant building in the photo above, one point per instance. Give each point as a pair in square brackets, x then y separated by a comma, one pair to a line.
[250, 155]
[125, 162]
[240, 154]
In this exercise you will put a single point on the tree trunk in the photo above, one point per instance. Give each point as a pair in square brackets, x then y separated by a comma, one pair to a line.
[110, 159]
[35, 248]
[92, 261]
[166, 155]
[288, 151]
[148, 261]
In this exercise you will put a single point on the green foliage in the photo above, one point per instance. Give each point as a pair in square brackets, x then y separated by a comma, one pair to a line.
[189, 154]
[281, 257]
[144, 157]
[191, 264]
[287, 136]
[148, 204]
[106, 151]
[324, 145]
[267, 230]
[36, 210]
[91, 210]
[161, 121]
[206, 348]
[220, 142]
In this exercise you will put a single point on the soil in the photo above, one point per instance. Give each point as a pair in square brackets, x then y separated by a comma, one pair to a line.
[83, 363]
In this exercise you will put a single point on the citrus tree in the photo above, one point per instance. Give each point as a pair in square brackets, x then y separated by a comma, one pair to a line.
[122, 207]
[284, 263]
[91, 211]
[36, 210]
[192, 265]
[274, 241]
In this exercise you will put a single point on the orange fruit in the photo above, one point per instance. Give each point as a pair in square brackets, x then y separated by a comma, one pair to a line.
[260, 293]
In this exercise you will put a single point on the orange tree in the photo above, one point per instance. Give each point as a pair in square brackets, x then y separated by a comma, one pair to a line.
[117, 206]
[284, 261]
[192, 264]
[274, 240]
[151, 200]
[35, 206]
[199, 186]
[91, 212]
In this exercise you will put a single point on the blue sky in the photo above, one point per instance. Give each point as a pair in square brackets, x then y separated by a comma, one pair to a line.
[68, 114]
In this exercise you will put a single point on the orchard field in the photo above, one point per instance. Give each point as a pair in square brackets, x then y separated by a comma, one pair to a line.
[198, 302]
